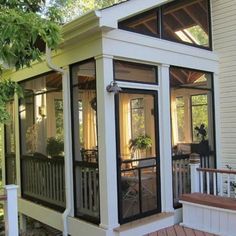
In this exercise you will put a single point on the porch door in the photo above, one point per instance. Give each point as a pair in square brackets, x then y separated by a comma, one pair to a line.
[137, 154]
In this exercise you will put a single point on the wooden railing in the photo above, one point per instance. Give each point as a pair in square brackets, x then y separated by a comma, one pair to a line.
[218, 182]
[43, 180]
[87, 190]
[181, 177]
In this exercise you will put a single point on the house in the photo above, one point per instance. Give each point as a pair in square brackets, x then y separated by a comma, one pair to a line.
[100, 143]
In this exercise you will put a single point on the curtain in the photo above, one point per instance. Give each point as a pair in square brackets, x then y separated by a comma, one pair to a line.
[89, 120]
[125, 125]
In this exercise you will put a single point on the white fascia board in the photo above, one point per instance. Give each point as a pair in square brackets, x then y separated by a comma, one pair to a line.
[112, 15]
[121, 43]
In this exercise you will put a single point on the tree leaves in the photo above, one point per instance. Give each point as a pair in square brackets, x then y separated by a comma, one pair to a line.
[18, 34]
[7, 90]
[25, 26]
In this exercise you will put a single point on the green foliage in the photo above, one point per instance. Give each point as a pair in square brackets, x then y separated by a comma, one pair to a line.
[20, 33]
[55, 146]
[73, 8]
[25, 25]
[7, 90]
[142, 142]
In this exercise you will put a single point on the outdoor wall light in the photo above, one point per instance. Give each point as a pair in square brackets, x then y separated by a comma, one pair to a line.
[113, 87]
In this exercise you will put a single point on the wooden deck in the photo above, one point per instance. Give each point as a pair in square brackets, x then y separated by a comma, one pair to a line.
[177, 230]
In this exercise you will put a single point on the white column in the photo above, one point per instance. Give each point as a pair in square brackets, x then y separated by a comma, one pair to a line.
[11, 211]
[165, 140]
[17, 143]
[194, 163]
[106, 144]
[218, 129]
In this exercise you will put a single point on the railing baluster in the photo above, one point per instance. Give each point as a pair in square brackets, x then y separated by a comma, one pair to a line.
[90, 190]
[221, 185]
[201, 182]
[180, 178]
[208, 182]
[214, 183]
[184, 177]
[176, 180]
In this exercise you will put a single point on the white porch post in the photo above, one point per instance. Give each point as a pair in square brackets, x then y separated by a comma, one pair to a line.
[217, 118]
[17, 144]
[106, 144]
[165, 140]
[194, 163]
[11, 211]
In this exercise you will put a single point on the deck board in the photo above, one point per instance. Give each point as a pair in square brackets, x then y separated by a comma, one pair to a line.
[177, 230]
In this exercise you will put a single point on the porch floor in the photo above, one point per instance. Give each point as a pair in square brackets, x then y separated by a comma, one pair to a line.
[178, 230]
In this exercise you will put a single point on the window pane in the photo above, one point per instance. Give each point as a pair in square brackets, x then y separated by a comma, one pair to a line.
[146, 23]
[42, 140]
[41, 116]
[192, 122]
[137, 117]
[85, 141]
[199, 117]
[187, 21]
[135, 72]
[180, 118]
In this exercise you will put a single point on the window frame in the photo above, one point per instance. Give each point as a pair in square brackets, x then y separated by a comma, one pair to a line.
[156, 82]
[160, 27]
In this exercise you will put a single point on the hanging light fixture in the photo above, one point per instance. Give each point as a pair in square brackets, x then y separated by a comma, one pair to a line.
[113, 87]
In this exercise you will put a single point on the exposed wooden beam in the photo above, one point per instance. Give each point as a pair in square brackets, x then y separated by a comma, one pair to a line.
[142, 21]
[203, 7]
[177, 77]
[150, 28]
[195, 19]
[179, 21]
[181, 6]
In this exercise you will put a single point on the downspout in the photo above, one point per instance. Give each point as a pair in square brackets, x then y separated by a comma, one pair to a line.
[67, 160]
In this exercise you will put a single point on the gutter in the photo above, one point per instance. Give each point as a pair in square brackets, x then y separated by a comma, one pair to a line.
[66, 160]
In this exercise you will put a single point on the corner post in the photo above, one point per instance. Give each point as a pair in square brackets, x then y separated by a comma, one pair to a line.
[11, 211]
[194, 163]
[106, 144]
[165, 140]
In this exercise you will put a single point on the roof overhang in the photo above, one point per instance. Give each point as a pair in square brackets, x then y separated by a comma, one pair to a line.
[106, 19]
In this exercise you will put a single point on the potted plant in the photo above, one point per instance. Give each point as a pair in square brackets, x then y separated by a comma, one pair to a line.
[55, 146]
[141, 142]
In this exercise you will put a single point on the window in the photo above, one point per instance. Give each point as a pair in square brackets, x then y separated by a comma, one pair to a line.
[180, 118]
[85, 149]
[42, 141]
[199, 115]
[181, 21]
[137, 117]
[191, 101]
[59, 118]
[187, 21]
[41, 116]
[135, 72]
[146, 23]
[192, 121]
